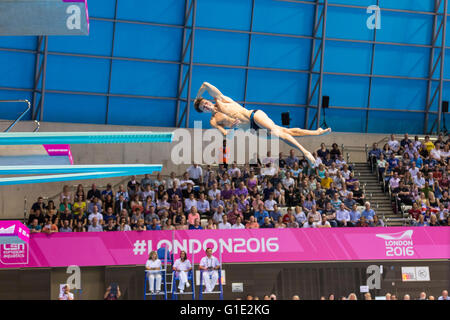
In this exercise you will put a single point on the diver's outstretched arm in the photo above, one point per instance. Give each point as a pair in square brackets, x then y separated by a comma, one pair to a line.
[213, 91]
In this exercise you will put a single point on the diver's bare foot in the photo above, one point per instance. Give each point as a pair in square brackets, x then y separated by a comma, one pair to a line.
[321, 131]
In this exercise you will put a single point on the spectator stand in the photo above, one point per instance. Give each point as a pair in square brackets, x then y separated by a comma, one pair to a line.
[164, 255]
[220, 292]
[190, 277]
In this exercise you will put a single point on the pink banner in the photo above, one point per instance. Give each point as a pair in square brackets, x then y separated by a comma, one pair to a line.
[274, 245]
[57, 150]
[13, 232]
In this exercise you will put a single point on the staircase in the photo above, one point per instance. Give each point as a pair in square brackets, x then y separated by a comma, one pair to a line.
[379, 200]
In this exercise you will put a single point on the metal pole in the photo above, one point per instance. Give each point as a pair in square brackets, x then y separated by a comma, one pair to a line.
[430, 68]
[441, 81]
[371, 73]
[37, 75]
[311, 66]
[111, 63]
[322, 54]
[249, 51]
[191, 61]
[180, 74]
[44, 74]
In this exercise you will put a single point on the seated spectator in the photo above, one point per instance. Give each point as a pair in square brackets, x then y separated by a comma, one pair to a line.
[394, 145]
[444, 295]
[96, 214]
[368, 213]
[107, 192]
[95, 226]
[355, 215]
[343, 217]
[123, 225]
[109, 215]
[421, 222]
[234, 213]
[358, 194]
[293, 222]
[433, 221]
[79, 227]
[183, 224]
[189, 203]
[443, 214]
[122, 192]
[323, 223]
[261, 214]
[195, 173]
[326, 181]
[108, 203]
[65, 205]
[196, 225]
[238, 224]
[224, 224]
[79, 206]
[93, 192]
[362, 222]
[203, 206]
[335, 152]
[140, 226]
[36, 214]
[148, 217]
[211, 225]
[315, 214]
[330, 213]
[132, 186]
[300, 216]
[121, 204]
[66, 226]
[267, 223]
[252, 224]
[49, 226]
[279, 223]
[377, 222]
[310, 223]
[66, 194]
[415, 212]
[110, 226]
[96, 202]
[193, 214]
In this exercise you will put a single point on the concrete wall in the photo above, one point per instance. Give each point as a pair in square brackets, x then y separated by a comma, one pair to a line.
[12, 197]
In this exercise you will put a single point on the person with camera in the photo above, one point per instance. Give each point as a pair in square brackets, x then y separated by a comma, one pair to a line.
[209, 266]
[112, 292]
[182, 266]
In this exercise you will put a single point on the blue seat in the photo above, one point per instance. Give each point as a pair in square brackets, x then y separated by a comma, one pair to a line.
[190, 277]
[161, 252]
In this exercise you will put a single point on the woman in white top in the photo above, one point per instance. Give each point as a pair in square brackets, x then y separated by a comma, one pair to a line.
[182, 266]
[153, 266]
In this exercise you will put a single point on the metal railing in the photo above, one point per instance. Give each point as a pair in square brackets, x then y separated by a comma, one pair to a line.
[21, 115]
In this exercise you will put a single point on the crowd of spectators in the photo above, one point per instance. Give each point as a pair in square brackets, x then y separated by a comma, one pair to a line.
[417, 174]
[367, 296]
[275, 192]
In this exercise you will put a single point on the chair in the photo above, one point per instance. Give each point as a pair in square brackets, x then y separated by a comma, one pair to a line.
[190, 277]
[220, 292]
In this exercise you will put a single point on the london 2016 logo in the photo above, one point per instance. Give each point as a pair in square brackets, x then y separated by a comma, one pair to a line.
[399, 244]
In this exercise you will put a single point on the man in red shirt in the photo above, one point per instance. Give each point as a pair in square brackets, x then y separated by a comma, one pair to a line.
[415, 212]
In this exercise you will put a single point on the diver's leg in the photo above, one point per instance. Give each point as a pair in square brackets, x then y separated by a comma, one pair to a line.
[297, 132]
[264, 122]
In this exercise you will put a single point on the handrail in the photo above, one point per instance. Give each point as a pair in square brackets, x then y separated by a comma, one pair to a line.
[21, 115]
